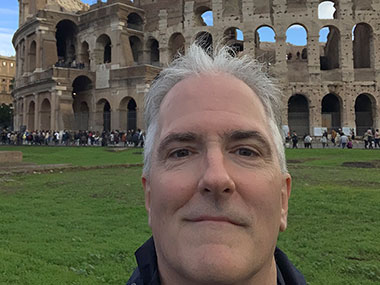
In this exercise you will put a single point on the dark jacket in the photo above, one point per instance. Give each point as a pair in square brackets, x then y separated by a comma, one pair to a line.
[146, 272]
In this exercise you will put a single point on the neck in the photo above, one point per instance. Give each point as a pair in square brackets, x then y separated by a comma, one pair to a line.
[267, 275]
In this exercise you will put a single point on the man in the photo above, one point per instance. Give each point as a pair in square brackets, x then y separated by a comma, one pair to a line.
[343, 140]
[294, 139]
[215, 178]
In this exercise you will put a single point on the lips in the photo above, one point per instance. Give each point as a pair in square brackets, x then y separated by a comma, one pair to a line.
[217, 219]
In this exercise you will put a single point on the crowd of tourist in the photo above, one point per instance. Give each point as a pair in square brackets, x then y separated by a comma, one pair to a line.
[337, 138]
[136, 138]
[130, 138]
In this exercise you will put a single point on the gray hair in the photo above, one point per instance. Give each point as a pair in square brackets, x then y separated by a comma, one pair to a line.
[218, 60]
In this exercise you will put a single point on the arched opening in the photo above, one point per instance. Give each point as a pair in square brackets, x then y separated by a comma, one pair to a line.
[364, 113]
[103, 51]
[107, 116]
[296, 53]
[329, 39]
[82, 86]
[265, 44]
[234, 38]
[83, 116]
[331, 112]
[154, 50]
[176, 45]
[128, 114]
[85, 55]
[362, 45]
[135, 22]
[136, 47]
[327, 10]
[204, 39]
[203, 16]
[131, 115]
[32, 56]
[296, 35]
[298, 114]
[66, 33]
[31, 115]
[45, 114]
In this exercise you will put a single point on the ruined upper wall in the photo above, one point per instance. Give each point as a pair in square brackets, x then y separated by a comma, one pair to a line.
[174, 9]
[67, 5]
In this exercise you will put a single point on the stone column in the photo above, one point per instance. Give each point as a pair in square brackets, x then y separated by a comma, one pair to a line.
[217, 10]
[164, 49]
[36, 111]
[39, 51]
[24, 111]
[281, 66]
[313, 57]
[189, 15]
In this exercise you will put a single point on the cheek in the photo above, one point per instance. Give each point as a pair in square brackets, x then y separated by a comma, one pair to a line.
[171, 190]
[262, 195]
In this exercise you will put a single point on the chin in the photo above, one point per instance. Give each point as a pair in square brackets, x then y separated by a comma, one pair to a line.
[218, 263]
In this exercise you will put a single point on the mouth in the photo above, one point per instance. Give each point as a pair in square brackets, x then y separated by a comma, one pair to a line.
[214, 219]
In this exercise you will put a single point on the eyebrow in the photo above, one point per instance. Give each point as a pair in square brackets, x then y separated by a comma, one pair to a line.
[177, 137]
[236, 135]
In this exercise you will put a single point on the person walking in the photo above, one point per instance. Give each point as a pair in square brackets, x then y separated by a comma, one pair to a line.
[294, 139]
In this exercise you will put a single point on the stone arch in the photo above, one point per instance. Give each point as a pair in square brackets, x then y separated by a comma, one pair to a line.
[331, 111]
[32, 56]
[103, 52]
[176, 45]
[153, 47]
[296, 35]
[365, 112]
[45, 114]
[265, 44]
[31, 115]
[82, 86]
[363, 46]
[298, 114]
[327, 10]
[135, 22]
[85, 54]
[103, 108]
[204, 39]
[330, 53]
[66, 34]
[136, 47]
[128, 113]
[234, 38]
[203, 16]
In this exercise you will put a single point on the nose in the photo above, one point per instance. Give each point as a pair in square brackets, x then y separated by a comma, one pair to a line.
[216, 178]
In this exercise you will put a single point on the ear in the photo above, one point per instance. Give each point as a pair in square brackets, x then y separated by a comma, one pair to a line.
[146, 186]
[285, 194]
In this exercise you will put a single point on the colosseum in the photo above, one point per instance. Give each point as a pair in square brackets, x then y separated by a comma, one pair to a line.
[89, 67]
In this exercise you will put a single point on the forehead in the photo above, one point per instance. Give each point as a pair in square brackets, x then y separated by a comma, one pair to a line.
[208, 97]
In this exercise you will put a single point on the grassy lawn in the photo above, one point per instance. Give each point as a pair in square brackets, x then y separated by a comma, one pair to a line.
[83, 226]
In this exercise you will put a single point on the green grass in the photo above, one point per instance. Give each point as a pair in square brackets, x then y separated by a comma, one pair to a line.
[79, 156]
[83, 226]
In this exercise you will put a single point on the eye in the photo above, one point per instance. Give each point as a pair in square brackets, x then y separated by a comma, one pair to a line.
[180, 153]
[246, 152]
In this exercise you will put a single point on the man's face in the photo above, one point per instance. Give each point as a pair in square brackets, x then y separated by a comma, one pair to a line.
[215, 195]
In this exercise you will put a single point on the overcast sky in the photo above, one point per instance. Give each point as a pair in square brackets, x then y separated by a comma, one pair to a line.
[9, 24]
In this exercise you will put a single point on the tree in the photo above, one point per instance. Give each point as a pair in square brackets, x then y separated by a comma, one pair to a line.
[6, 114]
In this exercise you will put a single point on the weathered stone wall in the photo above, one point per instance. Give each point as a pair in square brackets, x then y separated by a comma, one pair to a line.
[123, 44]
